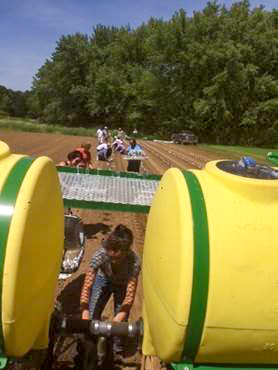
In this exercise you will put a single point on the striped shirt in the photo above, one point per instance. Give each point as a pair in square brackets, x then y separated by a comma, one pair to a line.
[127, 270]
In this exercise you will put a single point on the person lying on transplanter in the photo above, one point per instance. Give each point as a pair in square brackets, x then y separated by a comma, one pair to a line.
[114, 269]
[74, 159]
[84, 150]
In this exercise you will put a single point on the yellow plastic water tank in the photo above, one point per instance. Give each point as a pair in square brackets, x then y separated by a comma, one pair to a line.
[210, 267]
[31, 246]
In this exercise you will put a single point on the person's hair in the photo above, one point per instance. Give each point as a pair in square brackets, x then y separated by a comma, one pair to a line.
[72, 155]
[132, 142]
[120, 238]
[86, 146]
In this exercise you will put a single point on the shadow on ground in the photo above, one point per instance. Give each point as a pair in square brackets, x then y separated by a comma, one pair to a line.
[69, 296]
[92, 229]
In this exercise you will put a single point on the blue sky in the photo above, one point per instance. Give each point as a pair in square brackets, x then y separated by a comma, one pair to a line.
[30, 29]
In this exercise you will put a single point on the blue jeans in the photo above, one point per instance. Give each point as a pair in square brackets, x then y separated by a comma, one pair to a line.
[102, 155]
[102, 289]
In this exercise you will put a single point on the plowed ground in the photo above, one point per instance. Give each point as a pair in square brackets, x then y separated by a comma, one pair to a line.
[98, 223]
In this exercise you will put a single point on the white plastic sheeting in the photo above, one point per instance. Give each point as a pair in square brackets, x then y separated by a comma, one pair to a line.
[109, 189]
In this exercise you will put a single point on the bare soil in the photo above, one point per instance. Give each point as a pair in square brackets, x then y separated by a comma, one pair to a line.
[98, 223]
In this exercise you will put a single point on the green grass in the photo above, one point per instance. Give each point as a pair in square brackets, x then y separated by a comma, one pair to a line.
[257, 153]
[30, 125]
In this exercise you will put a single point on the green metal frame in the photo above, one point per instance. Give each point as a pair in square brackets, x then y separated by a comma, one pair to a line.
[116, 207]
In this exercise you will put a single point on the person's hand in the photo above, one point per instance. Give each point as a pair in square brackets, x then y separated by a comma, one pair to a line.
[85, 315]
[119, 317]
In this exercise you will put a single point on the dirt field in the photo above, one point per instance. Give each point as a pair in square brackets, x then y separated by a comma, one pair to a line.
[160, 157]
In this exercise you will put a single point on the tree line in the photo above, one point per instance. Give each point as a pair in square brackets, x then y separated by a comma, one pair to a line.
[215, 73]
[13, 103]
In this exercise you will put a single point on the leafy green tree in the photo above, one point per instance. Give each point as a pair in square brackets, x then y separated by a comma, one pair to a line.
[13, 103]
[59, 87]
[215, 73]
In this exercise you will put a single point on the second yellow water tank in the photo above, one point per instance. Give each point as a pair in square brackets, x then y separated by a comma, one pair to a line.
[210, 268]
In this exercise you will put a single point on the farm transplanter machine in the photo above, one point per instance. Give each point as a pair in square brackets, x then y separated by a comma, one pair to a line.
[210, 259]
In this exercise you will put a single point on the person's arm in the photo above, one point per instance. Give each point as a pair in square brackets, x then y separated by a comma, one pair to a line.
[86, 292]
[62, 164]
[88, 163]
[89, 160]
[128, 300]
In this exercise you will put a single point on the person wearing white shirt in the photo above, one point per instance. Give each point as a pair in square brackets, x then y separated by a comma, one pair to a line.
[104, 152]
[118, 145]
[100, 136]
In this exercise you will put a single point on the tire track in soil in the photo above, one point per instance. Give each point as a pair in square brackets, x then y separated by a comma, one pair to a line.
[196, 153]
[170, 159]
[185, 152]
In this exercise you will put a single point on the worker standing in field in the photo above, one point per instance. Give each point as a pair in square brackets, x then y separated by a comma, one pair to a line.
[121, 133]
[105, 133]
[100, 136]
[134, 150]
